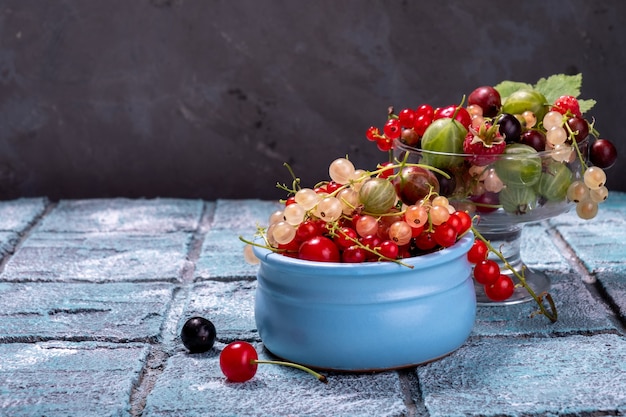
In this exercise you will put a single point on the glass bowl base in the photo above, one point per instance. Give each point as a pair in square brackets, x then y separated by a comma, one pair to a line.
[537, 280]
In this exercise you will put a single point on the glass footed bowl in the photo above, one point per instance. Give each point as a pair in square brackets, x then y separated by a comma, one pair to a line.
[506, 191]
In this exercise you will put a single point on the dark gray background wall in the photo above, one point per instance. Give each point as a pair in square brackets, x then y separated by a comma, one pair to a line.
[191, 98]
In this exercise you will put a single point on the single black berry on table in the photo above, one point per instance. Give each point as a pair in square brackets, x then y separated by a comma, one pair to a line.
[198, 334]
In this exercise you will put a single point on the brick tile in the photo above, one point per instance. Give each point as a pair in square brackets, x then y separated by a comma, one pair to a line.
[579, 375]
[68, 379]
[17, 215]
[99, 257]
[107, 215]
[229, 305]
[193, 385]
[75, 311]
[578, 311]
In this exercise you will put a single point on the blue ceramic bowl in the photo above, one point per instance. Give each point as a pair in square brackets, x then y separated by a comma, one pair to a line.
[365, 317]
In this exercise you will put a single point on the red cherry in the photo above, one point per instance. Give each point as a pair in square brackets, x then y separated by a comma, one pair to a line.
[238, 361]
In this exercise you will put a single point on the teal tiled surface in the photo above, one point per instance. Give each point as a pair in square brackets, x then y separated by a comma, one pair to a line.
[94, 293]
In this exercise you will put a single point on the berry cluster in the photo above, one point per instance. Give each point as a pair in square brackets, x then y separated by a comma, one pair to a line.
[517, 153]
[357, 216]
[498, 287]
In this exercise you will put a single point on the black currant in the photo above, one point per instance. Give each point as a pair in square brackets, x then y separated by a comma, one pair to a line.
[509, 127]
[198, 334]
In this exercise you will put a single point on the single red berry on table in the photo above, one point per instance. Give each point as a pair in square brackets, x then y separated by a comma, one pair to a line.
[238, 361]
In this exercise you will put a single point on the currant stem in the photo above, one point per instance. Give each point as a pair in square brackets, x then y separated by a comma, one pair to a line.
[319, 376]
[552, 315]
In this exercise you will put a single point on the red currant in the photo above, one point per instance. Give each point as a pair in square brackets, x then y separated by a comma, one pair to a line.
[332, 186]
[486, 272]
[406, 118]
[392, 129]
[384, 144]
[501, 289]
[477, 252]
[307, 230]
[387, 172]
[354, 254]
[464, 221]
[425, 241]
[238, 361]
[445, 235]
[319, 249]
[421, 123]
[345, 237]
[372, 134]
[389, 249]
[425, 110]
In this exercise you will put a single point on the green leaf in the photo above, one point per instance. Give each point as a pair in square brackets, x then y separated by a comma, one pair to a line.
[586, 105]
[506, 88]
[559, 85]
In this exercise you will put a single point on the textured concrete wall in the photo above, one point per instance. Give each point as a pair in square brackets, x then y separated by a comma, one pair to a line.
[208, 98]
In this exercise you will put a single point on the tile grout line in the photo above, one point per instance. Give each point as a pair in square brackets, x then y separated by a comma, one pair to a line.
[26, 232]
[595, 288]
[160, 352]
[568, 253]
